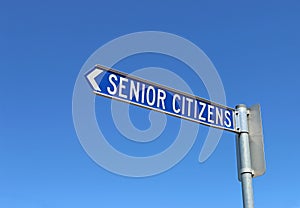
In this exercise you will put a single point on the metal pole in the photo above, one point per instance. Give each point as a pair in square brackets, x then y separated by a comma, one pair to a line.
[244, 157]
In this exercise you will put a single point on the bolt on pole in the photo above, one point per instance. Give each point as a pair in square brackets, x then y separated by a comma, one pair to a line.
[243, 156]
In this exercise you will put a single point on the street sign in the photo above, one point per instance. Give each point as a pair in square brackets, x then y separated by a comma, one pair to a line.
[245, 122]
[133, 90]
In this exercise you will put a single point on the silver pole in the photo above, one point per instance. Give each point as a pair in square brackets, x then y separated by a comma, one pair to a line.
[244, 157]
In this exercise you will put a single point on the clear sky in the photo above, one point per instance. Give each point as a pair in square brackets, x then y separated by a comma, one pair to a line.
[43, 46]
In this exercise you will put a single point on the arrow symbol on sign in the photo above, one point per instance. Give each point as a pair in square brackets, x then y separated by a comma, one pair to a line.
[91, 78]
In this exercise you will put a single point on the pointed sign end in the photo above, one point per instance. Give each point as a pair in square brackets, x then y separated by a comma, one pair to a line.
[91, 76]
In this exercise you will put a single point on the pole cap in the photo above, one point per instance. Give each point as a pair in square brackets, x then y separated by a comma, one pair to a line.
[240, 106]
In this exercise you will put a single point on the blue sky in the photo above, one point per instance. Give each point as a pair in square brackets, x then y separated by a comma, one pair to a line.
[254, 47]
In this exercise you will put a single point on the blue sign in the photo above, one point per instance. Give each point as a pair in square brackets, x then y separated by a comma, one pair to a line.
[117, 85]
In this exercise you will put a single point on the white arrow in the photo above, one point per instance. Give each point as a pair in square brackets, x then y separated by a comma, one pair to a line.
[91, 78]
